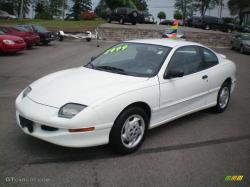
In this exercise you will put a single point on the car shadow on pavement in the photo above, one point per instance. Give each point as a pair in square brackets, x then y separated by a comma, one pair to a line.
[11, 54]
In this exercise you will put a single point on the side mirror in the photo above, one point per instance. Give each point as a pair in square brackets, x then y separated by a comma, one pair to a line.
[173, 74]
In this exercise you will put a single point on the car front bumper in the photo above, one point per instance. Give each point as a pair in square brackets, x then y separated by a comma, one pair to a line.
[13, 48]
[44, 129]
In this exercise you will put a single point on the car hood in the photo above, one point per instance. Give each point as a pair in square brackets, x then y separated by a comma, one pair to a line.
[247, 42]
[81, 85]
[10, 37]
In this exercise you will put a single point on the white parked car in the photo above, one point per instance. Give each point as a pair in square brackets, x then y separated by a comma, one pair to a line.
[130, 88]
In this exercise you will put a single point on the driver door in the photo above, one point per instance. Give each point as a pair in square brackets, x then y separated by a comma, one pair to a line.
[184, 94]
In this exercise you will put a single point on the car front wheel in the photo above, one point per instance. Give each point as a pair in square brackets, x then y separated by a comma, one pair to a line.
[108, 19]
[223, 98]
[207, 27]
[129, 130]
[121, 21]
[242, 49]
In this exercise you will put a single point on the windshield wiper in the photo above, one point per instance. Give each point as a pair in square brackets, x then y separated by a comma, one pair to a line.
[91, 65]
[112, 69]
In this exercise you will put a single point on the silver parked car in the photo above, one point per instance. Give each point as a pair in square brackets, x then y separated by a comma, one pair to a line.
[241, 42]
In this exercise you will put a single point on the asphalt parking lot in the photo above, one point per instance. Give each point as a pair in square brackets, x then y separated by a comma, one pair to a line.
[197, 150]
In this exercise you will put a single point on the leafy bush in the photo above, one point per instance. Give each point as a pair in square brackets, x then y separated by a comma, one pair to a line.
[43, 15]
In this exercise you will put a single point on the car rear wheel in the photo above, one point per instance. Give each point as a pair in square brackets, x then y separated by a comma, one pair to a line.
[223, 98]
[129, 130]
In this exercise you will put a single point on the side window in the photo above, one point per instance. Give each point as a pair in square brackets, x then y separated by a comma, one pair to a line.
[186, 59]
[210, 59]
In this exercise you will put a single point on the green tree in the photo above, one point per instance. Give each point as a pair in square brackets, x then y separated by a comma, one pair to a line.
[141, 4]
[80, 6]
[185, 7]
[14, 6]
[102, 9]
[178, 15]
[161, 15]
[42, 10]
[112, 4]
[7, 6]
[57, 6]
[237, 6]
[17, 7]
[204, 5]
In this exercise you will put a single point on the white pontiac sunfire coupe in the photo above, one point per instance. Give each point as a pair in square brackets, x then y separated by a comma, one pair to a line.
[130, 88]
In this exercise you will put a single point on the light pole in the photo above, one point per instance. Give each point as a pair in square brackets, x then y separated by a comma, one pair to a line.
[63, 4]
[21, 10]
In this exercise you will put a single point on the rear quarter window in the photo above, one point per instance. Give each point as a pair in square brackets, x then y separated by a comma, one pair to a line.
[209, 58]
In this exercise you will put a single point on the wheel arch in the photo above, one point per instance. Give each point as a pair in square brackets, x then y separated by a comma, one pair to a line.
[228, 81]
[142, 105]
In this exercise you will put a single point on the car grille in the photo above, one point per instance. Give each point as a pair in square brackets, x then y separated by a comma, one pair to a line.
[48, 128]
[30, 125]
[19, 41]
[26, 123]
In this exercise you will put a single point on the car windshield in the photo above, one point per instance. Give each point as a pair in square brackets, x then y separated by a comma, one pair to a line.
[40, 28]
[3, 13]
[245, 37]
[143, 60]
[20, 28]
[1, 33]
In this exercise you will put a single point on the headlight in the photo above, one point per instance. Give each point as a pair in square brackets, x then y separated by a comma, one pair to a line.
[8, 42]
[70, 110]
[26, 91]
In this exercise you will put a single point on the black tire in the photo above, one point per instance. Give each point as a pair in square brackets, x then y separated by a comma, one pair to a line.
[207, 27]
[45, 42]
[219, 108]
[61, 38]
[115, 137]
[242, 49]
[108, 19]
[134, 23]
[121, 21]
[29, 46]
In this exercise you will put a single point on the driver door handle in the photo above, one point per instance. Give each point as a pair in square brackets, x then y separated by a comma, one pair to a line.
[204, 77]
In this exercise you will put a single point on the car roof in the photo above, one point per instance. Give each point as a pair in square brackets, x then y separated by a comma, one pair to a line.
[165, 42]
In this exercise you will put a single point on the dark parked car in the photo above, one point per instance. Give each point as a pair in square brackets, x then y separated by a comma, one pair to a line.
[194, 21]
[241, 42]
[6, 15]
[166, 22]
[123, 15]
[209, 22]
[45, 36]
[245, 29]
[29, 37]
